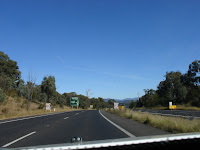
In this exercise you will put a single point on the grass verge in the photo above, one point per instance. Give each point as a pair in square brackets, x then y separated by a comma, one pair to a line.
[170, 124]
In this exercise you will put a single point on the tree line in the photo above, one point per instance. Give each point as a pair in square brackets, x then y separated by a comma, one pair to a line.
[11, 84]
[176, 88]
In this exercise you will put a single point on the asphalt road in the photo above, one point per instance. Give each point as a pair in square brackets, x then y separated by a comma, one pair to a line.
[58, 128]
[90, 125]
[177, 113]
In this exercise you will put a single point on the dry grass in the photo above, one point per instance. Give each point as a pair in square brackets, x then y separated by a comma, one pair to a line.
[16, 107]
[186, 107]
[170, 124]
[179, 107]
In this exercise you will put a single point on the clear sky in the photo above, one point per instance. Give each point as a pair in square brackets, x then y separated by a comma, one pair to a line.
[115, 48]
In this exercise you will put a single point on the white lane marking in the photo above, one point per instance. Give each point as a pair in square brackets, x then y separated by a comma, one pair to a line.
[6, 145]
[120, 128]
[32, 117]
[66, 117]
[76, 114]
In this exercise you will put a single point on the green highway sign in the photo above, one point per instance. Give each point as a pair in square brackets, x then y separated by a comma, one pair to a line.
[74, 101]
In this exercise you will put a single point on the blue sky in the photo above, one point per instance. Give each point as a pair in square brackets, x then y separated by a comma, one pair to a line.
[115, 48]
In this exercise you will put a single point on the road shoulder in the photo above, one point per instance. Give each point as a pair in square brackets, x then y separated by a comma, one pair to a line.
[136, 128]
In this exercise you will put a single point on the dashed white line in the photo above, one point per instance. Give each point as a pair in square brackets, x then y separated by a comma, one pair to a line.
[66, 118]
[6, 145]
[120, 128]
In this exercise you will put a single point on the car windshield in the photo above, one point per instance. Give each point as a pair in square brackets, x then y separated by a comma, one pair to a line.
[75, 71]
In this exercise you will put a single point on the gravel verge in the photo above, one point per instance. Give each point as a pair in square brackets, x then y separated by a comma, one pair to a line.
[136, 128]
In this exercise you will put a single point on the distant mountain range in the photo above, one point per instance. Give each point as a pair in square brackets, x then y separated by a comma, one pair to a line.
[125, 100]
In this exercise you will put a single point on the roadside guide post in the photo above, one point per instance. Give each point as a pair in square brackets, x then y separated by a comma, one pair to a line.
[170, 105]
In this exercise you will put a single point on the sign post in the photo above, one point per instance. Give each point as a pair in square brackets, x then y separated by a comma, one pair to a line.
[74, 101]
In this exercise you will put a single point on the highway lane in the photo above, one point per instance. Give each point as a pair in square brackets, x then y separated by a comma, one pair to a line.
[59, 128]
[12, 129]
[177, 113]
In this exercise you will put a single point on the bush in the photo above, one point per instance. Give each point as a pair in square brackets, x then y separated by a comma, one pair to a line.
[42, 97]
[194, 97]
[41, 106]
[61, 106]
[2, 96]
[5, 82]
[147, 121]
[24, 103]
[4, 110]
[11, 92]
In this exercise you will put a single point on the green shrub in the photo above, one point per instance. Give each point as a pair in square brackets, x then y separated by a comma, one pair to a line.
[42, 97]
[2, 96]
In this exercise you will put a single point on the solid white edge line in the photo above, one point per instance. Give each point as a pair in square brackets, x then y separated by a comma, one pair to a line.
[120, 128]
[6, 145]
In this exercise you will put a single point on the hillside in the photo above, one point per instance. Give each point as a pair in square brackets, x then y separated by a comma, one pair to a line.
[16, 107]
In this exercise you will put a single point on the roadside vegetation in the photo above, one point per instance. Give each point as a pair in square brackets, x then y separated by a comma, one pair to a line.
[182, 90]
[22, 98]
[179, 107]
[12, 108]
[170, 124]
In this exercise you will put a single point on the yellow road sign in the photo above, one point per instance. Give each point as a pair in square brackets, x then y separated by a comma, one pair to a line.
[121, 107]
